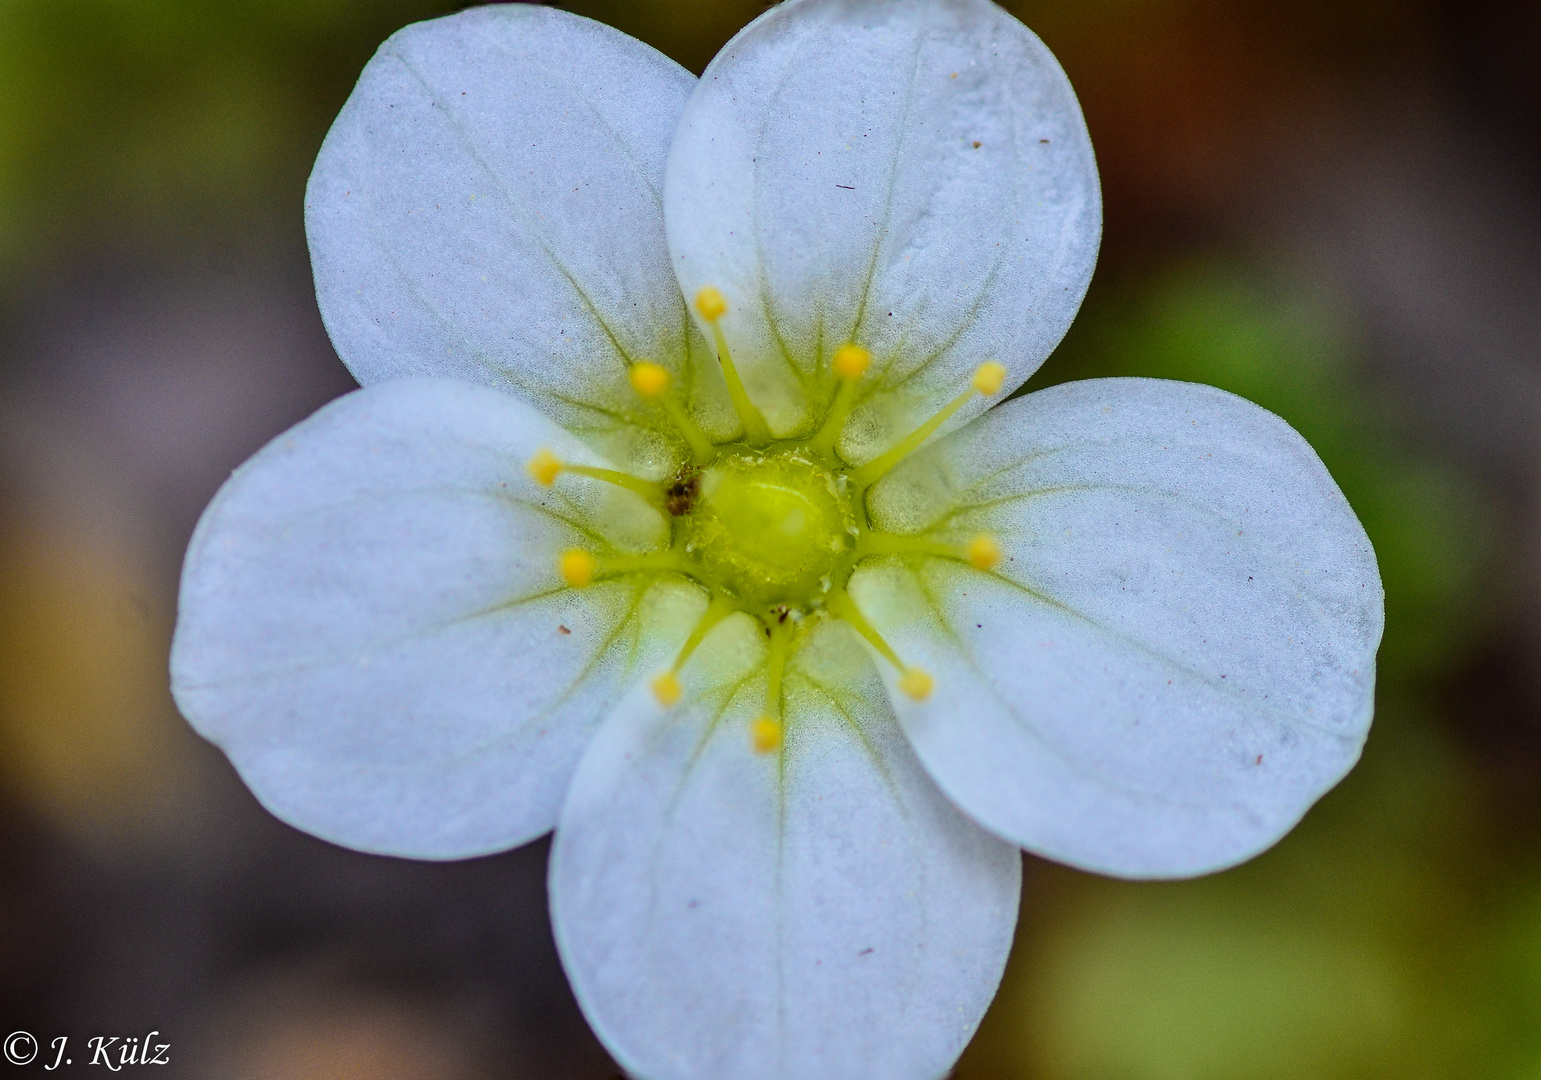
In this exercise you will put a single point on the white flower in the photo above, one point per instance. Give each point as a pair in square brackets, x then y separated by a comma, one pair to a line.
[600, 570]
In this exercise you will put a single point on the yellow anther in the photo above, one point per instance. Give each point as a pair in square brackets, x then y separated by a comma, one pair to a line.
[711, 304]
[666, 688]
[577, 567]
[916, 684]
[544, 466]
[990, 377]
[851, 362]
[648, 379]
[765, 734]
[983, 552]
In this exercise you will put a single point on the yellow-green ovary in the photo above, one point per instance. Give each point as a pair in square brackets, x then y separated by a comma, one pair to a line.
[770, 529]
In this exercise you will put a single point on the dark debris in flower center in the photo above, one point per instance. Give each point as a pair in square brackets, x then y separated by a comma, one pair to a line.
[680, 495]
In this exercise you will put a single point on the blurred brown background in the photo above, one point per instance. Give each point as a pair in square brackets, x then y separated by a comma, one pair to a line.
[1332, 207]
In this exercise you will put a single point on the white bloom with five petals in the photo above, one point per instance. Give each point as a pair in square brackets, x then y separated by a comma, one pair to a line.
[671, 518]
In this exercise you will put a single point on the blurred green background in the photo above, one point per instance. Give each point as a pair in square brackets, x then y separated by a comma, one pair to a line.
[1331, 208]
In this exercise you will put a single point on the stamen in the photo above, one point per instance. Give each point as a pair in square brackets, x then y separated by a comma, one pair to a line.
[579, 568]
[651, 382]
[851, 363]
[914, 682]
[666, 687]
[713, 306]
[545, 466]
[765, 733]
[988, 379]
[983, 552]
[649, 379]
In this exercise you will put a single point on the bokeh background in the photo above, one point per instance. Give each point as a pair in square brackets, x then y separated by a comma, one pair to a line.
[1332, 207]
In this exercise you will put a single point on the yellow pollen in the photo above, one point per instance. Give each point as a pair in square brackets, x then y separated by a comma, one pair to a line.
[577, 567]
[990, 377]
[544, 466]
[851, 362]
[916, 684]
[648, 379]
[765, 734]
[666, 688]
[711, 304]
[983, 552]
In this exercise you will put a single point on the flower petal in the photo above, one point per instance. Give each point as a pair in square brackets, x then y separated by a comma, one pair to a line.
[1177, 655]
[909, 175]
[821, 912]
[373, 629]
[487, 206]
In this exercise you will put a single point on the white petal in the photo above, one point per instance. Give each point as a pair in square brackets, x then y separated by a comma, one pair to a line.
[729, 915]
[372, 625]
[487, 206]
[910, 175]
[1177, 656]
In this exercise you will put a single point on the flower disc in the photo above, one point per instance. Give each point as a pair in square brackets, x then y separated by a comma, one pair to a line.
[769, 529]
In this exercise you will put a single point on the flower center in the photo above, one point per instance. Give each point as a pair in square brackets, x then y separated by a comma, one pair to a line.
[769, 529]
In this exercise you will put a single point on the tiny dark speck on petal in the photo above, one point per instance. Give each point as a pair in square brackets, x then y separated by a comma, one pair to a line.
[977, 145]
[864, 952]
[694, 903]
[1259, 759]
[1043, 140]
[563, 630]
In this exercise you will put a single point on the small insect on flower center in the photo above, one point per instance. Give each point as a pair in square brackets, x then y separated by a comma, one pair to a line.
[769, 529]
